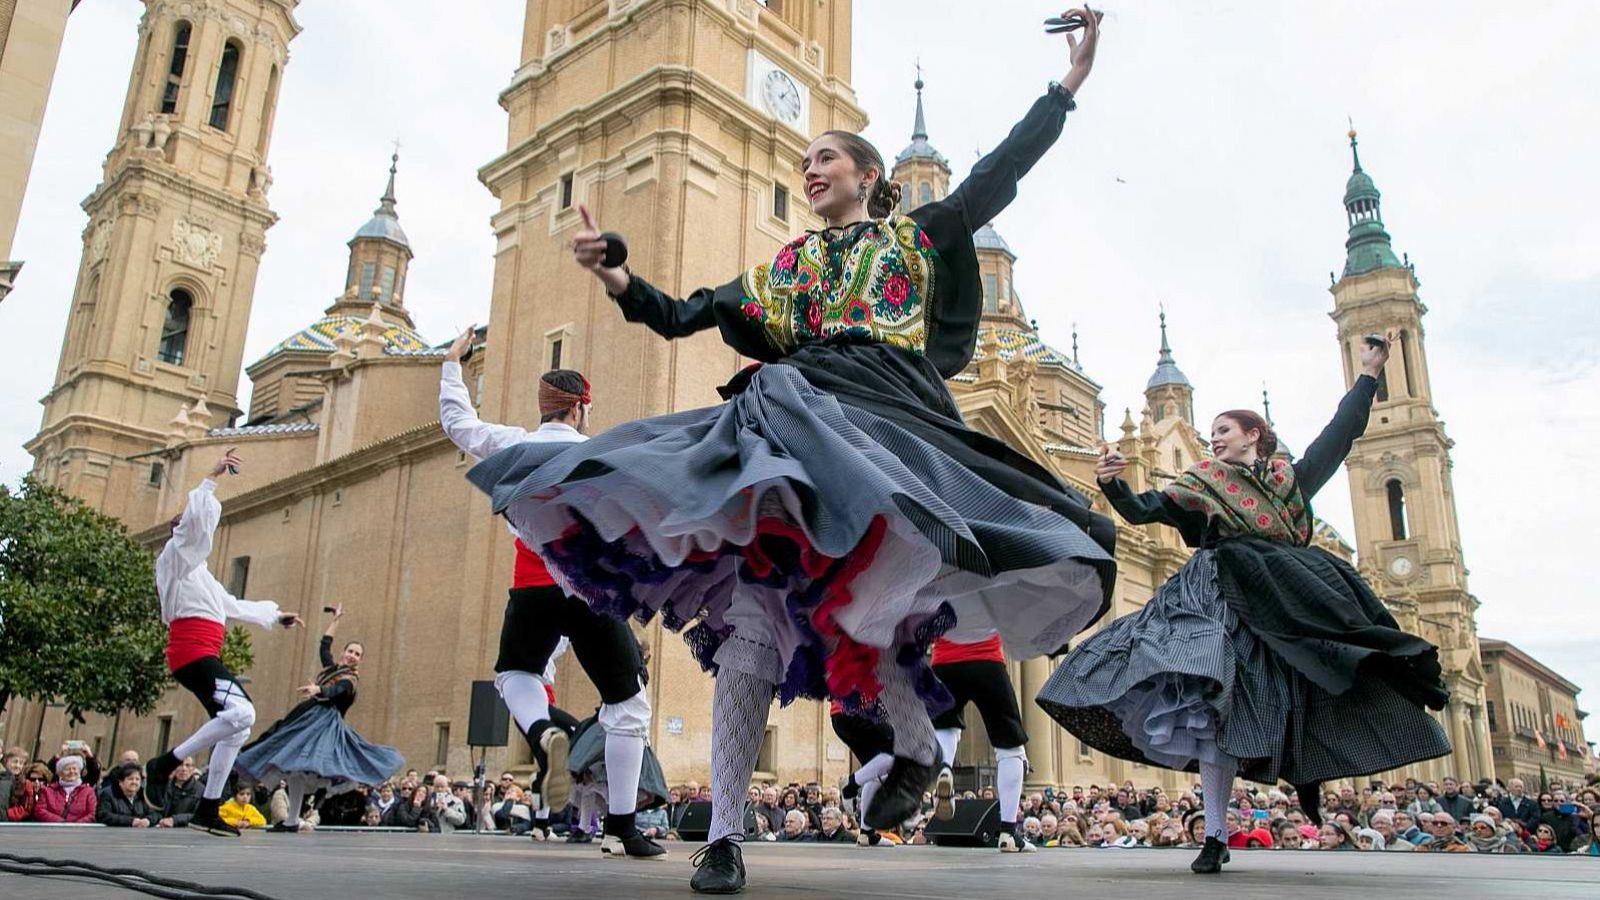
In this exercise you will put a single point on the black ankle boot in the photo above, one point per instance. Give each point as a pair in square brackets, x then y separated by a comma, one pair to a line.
[1211, 857]
[900, 795]
[719, 867]
[1310, 797]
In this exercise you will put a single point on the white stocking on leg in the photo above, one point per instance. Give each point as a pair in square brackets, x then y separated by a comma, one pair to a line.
[874, 770]
[296, 791]
[1011, 764]
[948, 739]
[1216, 779]
[738, 723]
[525, 696]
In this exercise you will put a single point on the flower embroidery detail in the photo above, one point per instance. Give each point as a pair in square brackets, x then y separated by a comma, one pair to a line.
[814, 317]
[1263, 520]
[753, 310]
[857, 313]
[1234, 488]
[1220, 474]
[1279, 478]
[1205, 464]
[1248, 503]
[896, 289]
[922, 238]
[787, 258]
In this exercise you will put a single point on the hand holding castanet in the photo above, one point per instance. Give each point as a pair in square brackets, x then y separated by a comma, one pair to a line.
[600, 252]
[1110, 466]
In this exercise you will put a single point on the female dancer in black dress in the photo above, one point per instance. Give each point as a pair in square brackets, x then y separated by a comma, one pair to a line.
[312, 748]
[1263, 656]
[836, 514]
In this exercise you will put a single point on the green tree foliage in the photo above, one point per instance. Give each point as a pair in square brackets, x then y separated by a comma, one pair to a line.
[237, 654]
[80, 623]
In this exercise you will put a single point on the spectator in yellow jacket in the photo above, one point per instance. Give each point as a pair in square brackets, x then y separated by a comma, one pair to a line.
[240, 813]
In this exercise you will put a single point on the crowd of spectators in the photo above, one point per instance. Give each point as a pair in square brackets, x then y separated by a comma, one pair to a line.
[1447, 817]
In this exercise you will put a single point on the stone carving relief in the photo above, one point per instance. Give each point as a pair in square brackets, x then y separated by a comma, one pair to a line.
[99, 241]
[194, 243]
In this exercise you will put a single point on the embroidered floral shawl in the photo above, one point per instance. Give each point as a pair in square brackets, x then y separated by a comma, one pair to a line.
[875, 286]
[1263, 501]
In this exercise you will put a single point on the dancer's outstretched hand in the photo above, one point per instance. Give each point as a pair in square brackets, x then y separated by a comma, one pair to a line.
[1081, 51]
[458, 347]
[588, 247]
[1111, 465]
[1375, 356]
[230, 464]
[589, 251]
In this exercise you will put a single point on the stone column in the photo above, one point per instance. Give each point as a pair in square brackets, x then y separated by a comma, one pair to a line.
[1480, 734]
[1041, 729]
[1461, 757]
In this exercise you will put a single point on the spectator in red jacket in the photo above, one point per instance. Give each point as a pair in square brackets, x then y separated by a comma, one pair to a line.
[67, 799]
[25, 793]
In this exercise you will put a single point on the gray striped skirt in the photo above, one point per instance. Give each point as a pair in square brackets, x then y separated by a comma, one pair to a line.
[817, 531]
[1184, 681]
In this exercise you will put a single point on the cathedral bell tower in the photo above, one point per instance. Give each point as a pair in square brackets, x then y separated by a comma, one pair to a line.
[1401, 495]
[171, 248]
[681, 125]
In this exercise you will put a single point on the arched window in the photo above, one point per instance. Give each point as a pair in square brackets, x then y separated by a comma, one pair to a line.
[180, 56]
[175, 330]
[905, 198]
[991, 293]
[1397, 509]
[227, 74]
[1177, 459]
[924, 194]
[268, 110]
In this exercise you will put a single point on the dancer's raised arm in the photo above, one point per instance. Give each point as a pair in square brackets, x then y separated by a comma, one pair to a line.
[992, 184]
[1330, 448]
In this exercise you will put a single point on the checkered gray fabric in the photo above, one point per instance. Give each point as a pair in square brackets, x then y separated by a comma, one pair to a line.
[1185, 674]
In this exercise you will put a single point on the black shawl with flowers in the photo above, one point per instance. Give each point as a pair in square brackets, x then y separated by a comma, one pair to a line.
[896, 368]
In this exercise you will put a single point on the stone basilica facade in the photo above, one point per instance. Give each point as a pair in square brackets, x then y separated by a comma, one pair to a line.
[657, 114]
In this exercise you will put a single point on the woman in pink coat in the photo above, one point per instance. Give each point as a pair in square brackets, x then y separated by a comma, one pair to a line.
[67, 799]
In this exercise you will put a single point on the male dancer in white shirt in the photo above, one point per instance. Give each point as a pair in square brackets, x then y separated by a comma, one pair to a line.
[539, 614]
[196, 609]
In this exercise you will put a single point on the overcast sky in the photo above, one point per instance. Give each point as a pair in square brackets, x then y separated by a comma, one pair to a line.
[1204, 171]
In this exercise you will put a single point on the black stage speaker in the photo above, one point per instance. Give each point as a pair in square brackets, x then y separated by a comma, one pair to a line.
[696, 822]
[488, 721]
[975, 824]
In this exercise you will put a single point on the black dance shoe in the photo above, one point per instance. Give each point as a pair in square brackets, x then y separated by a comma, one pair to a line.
[632, 846]
[160, 769]
[719, 867]
[900, 796]
[1313, 809]
[1211, 858]
[206, 819]
[579, 836]
[849, 790]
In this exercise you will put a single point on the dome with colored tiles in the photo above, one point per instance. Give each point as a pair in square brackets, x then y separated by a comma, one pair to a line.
[1012, 341]
[322, 336]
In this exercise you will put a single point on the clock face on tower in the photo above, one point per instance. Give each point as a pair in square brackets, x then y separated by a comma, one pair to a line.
[781, 96]
[1400, 567]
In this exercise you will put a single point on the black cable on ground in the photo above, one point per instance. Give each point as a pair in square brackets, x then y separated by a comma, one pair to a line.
[130, 879]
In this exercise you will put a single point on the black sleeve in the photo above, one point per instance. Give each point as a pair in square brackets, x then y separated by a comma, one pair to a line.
[720, 307]
[992, 184]
[1141, 509]
[669, 317]
[1328, 451]
[333, 690]
[326, 650]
